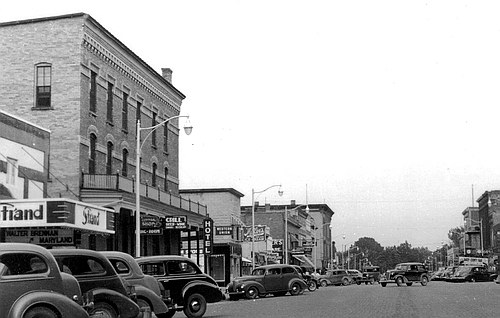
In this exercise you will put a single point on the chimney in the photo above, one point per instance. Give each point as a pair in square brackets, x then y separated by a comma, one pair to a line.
[292, 203]
[268, 207]
[167, 74]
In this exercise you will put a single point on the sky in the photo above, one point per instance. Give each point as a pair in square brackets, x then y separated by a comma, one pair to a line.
[387, 111]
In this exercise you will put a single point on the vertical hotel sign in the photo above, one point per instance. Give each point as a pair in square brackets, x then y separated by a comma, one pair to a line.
[208, 236]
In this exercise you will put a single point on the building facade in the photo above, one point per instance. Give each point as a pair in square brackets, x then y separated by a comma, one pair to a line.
[73, 77]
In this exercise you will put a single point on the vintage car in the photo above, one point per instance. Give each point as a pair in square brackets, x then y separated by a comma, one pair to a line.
[311, 281]
[150, 293]
[189, 287]
[371, 274]
[94, 272]
[335, 277]
[277, 279]
[31, 285]
[471, 274]
[406, 273]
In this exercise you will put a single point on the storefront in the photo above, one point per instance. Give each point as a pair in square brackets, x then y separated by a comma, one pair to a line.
[53, 222]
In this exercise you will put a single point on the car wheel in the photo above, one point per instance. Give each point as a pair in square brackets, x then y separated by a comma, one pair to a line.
[345, 282]
[358, 283]
[142, 303]
[103, 310]
[195, 306]
[40, 312]
[472, 280]
[324, 283]
[399, 281]
[383, 284]
[424, 280]
[296, 289]
[252, 292]
[409, 284]
[312, 286]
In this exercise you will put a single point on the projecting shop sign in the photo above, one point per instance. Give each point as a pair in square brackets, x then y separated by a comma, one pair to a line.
[208, 236]
[176, 222]
[224, 230]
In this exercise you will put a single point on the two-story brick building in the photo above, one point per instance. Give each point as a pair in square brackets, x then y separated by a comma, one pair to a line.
[71, 76]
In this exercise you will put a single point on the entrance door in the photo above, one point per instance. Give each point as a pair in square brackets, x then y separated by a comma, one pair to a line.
[217, 268]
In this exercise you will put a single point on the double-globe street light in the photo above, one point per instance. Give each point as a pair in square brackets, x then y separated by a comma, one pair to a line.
[280, 192]
[187, 129]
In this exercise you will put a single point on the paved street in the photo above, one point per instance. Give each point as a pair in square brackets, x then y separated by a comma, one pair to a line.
[438, 299]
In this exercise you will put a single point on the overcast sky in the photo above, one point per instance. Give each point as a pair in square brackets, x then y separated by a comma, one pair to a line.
[387, 111]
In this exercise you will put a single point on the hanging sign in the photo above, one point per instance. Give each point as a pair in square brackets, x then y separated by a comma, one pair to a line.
[208, 235]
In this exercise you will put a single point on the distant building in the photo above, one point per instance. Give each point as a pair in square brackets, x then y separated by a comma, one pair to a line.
[489, 217]
[73, 77]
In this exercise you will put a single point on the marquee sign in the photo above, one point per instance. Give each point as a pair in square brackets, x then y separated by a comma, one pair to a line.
[51, 236]
[55, 212]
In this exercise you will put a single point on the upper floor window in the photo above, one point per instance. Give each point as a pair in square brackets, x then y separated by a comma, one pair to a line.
[109, 113]
[43, 87]
[92, 153]
[125, 112]
[11, 171]
[153, 181]
[165, 137]
[109, 157]
[165, 181]
[93, 91]
[138, 111]
[124, 162]
[153, 133]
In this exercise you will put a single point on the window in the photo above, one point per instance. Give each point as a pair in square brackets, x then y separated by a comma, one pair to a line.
[125, 112]
[124, 162]
[93, 91]
[165, 181]
[109, 158]
[11, 171]
[138, 111]
[165, 137]
[92, 153]
[109, 113]
[153, 133]
[180, 267]
[153, 181]
[155, 269]
[120, 266]
[43, 79]
[274, 271]
[81, 265]
[20, 263]
[288, 270]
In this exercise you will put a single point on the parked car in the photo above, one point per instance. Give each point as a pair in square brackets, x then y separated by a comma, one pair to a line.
[371, 274]
[189, 287]
[335, 277]
[438, 275]
[96, 274]
[406, 273]
[31, 285]
[276, 279]
[471, 274]
[150, 293]
[355, 275]
[310, 280]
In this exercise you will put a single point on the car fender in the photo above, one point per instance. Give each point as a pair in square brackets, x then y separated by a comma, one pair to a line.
[259, 286]
[405, 280]
[157, 304]
[210, 291]
[125, 306]
[294, 280]
[64, 305]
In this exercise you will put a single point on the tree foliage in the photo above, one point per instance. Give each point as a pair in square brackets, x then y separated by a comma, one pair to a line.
[455, 235]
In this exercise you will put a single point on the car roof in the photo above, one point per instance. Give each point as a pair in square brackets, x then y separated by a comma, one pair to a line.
[74, 251]
[274, 266]
[22, 247]
[162, 258]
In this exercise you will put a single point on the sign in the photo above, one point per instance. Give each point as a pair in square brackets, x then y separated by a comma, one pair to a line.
[472, 261]
[56, 212]
[306, 243]
[176, 222]
[208, 236]
[45, 236]
[152, 231]
[278, 245]
[223, 230]
[150, 222]
[260, 233]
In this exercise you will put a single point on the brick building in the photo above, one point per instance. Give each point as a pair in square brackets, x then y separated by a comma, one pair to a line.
[70, 75]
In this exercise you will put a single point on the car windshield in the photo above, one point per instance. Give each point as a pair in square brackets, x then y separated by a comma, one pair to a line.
[462, 271]
[258, 272]
[400, 267]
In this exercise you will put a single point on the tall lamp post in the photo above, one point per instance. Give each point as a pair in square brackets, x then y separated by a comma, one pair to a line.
[286, 228]
[187, 129]
[280, 192]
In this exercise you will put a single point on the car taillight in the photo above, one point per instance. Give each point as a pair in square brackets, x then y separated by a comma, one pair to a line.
[131, 292]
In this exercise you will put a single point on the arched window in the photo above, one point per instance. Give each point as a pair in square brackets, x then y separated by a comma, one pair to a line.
[124, 162]
[165, 181]
[153, 181]
[92, 154]
[109, 158]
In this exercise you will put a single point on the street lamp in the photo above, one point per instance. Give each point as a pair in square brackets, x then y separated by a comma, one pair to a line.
[280, 192]
[286, 227]
[187, 129]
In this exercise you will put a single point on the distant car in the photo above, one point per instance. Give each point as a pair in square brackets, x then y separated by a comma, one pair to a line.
[471, 274]
[31, 285]
[189, 287]
[355, 275]
[150, 293]
[276, 279]
[310, 280]
[370, 275]
[335, 277]
[406, 273]
[95, 273]
[438, 275]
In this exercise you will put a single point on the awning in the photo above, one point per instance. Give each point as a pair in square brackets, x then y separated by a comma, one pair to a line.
[304, 259]
[245, 260]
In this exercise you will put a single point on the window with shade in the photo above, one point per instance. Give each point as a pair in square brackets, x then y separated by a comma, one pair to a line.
[43, 85]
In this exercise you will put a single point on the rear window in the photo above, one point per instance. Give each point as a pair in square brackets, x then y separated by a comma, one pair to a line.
[81, 265]
[120, 266]
[155, 269]
[22, 263]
